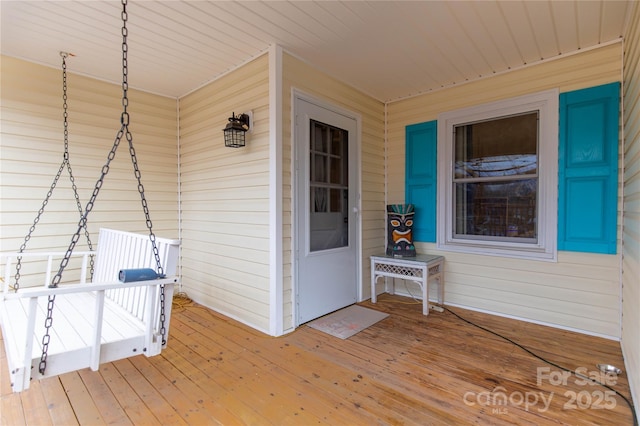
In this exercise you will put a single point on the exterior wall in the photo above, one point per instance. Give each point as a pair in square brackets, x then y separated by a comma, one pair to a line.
[299, 75]
[631, 219]
[225, 196]
[581, 291]
[31, 153]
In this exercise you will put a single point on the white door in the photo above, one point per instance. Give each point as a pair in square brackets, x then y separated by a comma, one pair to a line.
[326, 210]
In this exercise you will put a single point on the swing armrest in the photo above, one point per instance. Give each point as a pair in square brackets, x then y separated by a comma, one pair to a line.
[79, 288]
[7, 260]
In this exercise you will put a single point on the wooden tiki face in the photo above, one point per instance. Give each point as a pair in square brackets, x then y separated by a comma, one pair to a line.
[400, 234]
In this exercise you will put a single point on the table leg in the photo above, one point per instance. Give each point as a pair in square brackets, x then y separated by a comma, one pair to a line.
[425, 292]
[441, 284]
[374, 297]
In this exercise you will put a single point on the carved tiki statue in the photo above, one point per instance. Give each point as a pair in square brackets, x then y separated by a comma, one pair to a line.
[400, 230]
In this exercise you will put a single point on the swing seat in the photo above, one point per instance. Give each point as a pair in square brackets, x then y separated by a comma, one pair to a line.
[93, 323]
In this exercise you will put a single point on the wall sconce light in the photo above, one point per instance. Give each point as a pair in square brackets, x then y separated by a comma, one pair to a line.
[234, 133]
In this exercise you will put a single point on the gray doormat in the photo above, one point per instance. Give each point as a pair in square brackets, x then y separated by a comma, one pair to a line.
[348, 321]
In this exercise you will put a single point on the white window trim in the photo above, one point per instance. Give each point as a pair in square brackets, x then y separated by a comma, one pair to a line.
[546, 248]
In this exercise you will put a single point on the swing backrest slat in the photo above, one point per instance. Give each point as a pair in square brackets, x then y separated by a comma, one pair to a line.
[119, 250]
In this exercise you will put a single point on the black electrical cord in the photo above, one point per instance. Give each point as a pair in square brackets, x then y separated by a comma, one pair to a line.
[629, 403]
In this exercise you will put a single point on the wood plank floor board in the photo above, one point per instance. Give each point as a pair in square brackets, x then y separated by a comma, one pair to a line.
[406, 369]
[584, 354]
[214, 365]
[57, 403]
[518, 389]
[105, 401]
[338, 385]
[384, 413]
[393, 342]
[182, 326]
[193, 403]
[423, 354]
[342, 386]
[243, 369]
[85, 409]
[136, 370]
[213, 370]
[521, 379]
[234, 375]
[12, 410]
[422, 384]
[35, 399]
[225, 407]
[128, 399]
[549, 343]
[596, 347]
[241, 374]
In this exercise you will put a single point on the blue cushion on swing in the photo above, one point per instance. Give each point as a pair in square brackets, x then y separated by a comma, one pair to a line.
[142, 274]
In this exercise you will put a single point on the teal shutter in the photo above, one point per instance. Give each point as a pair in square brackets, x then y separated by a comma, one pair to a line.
[420, 184]
[588, 169]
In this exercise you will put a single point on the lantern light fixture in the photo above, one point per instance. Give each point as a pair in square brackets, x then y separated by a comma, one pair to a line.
[236, 129]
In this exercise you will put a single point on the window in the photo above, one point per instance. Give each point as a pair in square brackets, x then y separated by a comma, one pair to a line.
[498, 178]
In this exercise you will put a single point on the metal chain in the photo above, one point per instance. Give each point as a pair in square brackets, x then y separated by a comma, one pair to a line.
[16, 285]
[124, 130]
[163, 330]
[66, 157]
[65, 162]
[134, 160]
[46, 338]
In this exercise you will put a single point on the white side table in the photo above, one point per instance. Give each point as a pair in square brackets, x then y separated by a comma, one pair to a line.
[420, 269]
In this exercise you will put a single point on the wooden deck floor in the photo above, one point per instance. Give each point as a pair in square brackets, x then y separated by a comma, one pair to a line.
[406, 369]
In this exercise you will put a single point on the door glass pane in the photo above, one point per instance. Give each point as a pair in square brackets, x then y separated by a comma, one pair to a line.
[319, 138]
[328, 187]
[318, 168]
[338, 197]
[319, 203]
[336, 170]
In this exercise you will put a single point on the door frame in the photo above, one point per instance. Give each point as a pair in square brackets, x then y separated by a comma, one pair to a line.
[357, 186]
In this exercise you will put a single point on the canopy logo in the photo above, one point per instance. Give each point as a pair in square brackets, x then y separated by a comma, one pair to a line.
[500, 400]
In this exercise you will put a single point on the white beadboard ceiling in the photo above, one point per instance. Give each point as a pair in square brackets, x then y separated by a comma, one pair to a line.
[388, 49]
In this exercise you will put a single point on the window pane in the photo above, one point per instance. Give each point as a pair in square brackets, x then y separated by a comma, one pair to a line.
[336, 199]
[319, 134]
[501, 147]
[318, 168]
[338, 137]
[336, 170]
[496, 209]
[338, 158]
[319, 199]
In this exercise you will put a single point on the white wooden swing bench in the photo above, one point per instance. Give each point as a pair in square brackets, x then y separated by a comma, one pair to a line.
[93, 323]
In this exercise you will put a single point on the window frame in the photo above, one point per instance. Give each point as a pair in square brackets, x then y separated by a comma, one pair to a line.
[547, 105]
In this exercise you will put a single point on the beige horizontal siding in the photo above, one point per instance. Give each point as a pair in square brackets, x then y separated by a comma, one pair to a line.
[631, 222]
[31, 152]
[225, 197]
[581, 291]
[301, 76]
[584, 290]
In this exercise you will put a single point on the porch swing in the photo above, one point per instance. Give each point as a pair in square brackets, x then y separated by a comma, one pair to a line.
[123, 310]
